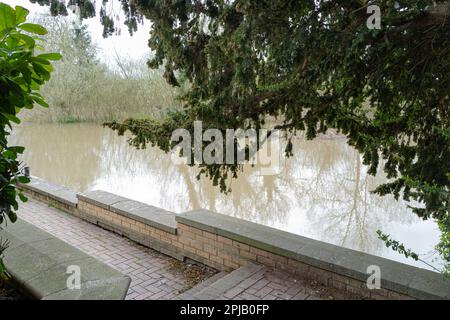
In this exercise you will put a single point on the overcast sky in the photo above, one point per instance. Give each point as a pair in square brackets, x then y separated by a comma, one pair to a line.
[131, 46]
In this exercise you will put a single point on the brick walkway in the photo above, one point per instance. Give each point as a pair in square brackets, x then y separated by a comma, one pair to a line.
[152, 273]
[258, 282]
[269, 284]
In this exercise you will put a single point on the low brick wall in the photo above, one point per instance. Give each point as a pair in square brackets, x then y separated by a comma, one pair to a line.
[226, 243]
[56, 196]
[230, 254]
[143, 233]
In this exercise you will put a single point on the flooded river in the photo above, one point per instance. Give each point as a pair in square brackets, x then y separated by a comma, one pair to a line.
[323, 192]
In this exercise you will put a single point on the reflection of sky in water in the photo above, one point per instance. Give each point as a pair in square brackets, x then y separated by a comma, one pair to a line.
[323, 192]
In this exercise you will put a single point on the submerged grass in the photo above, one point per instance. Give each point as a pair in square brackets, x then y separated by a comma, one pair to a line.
[101, 95]
[82, 89]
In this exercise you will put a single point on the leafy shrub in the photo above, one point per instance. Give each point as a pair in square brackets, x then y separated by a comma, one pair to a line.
[22, 72]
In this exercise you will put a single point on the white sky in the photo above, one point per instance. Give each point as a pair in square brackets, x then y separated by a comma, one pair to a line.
[134, 46]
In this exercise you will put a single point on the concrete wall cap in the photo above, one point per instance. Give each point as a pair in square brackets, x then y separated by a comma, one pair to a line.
[38, 263]
[415, 282]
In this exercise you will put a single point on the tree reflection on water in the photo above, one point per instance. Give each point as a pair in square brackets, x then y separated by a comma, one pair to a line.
[323, 191]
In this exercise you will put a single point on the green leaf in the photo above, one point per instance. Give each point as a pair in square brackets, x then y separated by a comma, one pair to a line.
[17, 149]
[25, 38]
[40, 60]
[40, 101]
[50, 56]
[7, 16]
[21, 14]
[23, 179]
[2, 268]
[3, 33]
[12, 216]
[22, 197]
[33, 28]
[12, 118]
[8, 154]
[41, 71]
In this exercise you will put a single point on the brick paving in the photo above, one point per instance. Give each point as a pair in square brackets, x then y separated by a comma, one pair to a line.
[152, 273]
[258, 282]
[269, 284]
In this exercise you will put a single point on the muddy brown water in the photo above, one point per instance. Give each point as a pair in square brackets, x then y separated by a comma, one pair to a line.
[323, 192]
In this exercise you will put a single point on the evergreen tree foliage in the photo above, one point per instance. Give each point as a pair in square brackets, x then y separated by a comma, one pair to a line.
[312, 66]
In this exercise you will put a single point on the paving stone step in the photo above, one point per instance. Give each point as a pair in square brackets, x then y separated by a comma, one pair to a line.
[187, 295]
[235, 280]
